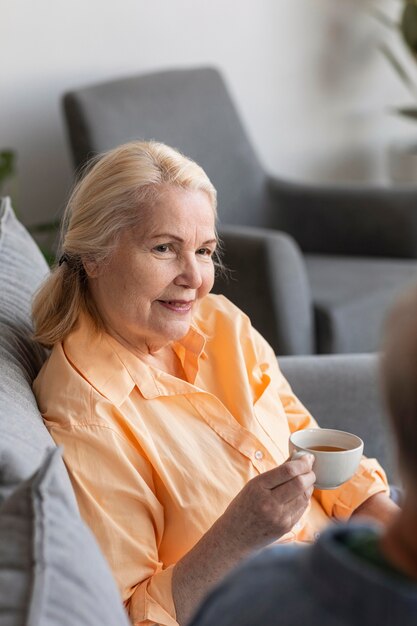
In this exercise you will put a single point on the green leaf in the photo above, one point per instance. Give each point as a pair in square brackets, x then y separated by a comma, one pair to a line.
[409, 112]
[46, 227]
[398, 68]
[7, 158]
[409, 26]
[50, 257]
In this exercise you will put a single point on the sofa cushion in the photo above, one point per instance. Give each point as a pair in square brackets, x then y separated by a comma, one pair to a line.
[343, 391]
[351, 298]
[23, 437]
[51, 569]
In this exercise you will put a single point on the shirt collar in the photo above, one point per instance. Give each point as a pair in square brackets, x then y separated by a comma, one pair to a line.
[114, 371]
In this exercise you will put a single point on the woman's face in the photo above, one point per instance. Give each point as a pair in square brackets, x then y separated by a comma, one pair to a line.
[147, 291]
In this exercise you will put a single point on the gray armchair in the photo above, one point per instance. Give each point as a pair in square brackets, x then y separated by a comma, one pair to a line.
[268, 280]
[358, 244]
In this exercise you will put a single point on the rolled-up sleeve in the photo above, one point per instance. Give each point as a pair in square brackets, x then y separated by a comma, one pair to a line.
[151, 602]
[368, 480]
[115, 491]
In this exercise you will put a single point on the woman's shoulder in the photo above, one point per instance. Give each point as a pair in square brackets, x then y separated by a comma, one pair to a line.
[57, 379]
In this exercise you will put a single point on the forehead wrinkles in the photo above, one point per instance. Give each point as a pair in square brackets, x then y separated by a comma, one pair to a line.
[185, 221]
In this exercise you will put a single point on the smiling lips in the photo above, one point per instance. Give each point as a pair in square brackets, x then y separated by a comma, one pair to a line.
[179, 306]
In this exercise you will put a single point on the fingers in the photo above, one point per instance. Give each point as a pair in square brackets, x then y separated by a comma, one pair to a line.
[287, 472]
[296, 508]
[308, 492]
[285, 505]
[301, 486]
[271, 503]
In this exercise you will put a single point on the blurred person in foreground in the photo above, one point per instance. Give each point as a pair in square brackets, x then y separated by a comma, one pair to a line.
[171, 408]
[355, 574]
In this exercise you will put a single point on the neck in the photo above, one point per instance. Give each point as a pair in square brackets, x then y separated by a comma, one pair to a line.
[162, 357]
[165, 360]
[399, 544]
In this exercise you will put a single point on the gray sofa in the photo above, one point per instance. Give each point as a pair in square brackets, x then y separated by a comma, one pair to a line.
[51, 569]
[52, 572]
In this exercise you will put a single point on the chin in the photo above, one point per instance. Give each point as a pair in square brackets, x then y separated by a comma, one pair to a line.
[175, 333]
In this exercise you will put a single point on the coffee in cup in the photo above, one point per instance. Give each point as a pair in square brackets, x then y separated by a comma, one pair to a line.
[336, 454]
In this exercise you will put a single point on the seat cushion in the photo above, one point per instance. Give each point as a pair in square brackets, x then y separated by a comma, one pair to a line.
[51, 569]
[23, 437]
[351, 297]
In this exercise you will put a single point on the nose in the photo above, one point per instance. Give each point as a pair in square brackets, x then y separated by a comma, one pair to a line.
[190, 273]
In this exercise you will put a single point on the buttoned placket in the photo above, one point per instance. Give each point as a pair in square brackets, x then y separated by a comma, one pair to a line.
[226, 426]
[153, 383]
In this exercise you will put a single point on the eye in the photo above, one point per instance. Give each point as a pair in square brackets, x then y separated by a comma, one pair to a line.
[205, 252]
[162, 248]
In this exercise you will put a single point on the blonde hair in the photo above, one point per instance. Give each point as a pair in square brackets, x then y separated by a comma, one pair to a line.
[399, 377]
[105, 202]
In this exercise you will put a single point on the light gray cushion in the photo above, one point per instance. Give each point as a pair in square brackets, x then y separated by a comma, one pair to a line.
[23, 437]
[343, 392]
[51, 569]
[351, 298]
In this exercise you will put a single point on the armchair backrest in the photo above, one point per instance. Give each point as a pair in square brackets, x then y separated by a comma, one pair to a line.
[189, 109]
[343, 391]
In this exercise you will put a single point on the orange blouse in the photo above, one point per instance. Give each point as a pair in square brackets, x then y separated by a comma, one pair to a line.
[155, 460]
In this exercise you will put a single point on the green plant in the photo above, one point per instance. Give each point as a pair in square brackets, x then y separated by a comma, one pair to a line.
[406, 28]
[44, 233]
[7, 166]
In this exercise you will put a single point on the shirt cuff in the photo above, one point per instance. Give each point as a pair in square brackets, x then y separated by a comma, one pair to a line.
[152, 601]
[368, 480]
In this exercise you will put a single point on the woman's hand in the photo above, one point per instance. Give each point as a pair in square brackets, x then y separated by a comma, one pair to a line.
[264, 510]
[269, 505]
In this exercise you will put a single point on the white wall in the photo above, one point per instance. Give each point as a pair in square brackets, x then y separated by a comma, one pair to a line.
[275, 54]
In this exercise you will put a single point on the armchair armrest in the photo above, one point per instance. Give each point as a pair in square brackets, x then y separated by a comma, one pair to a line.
[268, 281]
[347, 220]
[343, 392]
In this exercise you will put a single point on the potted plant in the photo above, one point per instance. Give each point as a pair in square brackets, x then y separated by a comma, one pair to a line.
[402, 157]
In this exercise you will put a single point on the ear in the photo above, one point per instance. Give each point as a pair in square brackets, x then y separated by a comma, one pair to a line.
[91, 267]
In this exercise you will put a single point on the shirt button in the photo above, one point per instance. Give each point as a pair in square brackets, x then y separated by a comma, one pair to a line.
[259, 455]
[316, 535]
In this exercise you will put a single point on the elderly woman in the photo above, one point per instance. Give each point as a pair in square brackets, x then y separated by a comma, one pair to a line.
[171, 409]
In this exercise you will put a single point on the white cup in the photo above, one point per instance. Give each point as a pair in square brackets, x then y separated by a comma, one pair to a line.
[331, 467]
